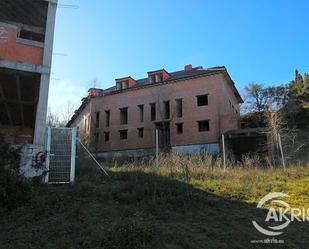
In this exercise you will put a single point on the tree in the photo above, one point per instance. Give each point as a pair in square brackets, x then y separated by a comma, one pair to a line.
[305, 97]
[66, 111]
[52, 119]
[255, 97]
[61, 116]
[258, 97]
[297, 85]
[297, 108]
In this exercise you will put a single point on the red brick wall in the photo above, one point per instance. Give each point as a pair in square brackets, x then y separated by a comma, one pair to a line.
[11, 50]
[218, 112]
[16, 134]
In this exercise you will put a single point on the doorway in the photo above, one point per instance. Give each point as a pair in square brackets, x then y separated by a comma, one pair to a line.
[164, 136]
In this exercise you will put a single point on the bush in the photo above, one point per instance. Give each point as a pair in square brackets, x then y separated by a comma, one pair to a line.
[13, 191]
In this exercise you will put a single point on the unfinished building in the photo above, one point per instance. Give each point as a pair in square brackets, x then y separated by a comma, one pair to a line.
[190, 108]
[26, 43]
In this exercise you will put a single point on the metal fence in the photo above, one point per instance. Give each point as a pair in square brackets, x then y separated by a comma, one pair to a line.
[61, 153]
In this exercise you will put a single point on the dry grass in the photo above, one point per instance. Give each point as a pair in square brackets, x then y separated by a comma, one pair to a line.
[248, 180]
[188, 202]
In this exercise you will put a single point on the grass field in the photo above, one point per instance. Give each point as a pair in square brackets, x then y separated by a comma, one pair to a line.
[175, 206]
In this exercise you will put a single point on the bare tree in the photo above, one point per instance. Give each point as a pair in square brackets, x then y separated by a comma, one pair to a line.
[60, 117]
[66, 111]
[52, 118]
[275, 125]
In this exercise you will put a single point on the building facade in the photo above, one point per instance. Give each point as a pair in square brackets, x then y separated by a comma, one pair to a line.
[190, 108]
[26, 43]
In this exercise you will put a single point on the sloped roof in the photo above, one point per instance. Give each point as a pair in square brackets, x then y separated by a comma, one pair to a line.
[178, 75]
[174, 76]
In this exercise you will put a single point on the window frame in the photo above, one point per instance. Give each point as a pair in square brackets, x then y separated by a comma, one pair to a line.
[204, 103]
[178, 125]
[97, 120]
[107, 118]
[167, 109]
[122, 132]
[140, 132]
[179, 107]
[207, 121]
[124, 121]
[153, 111]
[141, 113]
[106, 136]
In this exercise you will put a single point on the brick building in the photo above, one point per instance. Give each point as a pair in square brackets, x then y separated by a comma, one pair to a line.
[190, 108]
[26, 42]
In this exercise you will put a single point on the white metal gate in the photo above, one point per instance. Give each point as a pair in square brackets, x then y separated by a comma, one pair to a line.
[60, 155]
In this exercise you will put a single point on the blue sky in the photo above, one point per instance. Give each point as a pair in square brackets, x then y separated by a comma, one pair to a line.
[261, 41]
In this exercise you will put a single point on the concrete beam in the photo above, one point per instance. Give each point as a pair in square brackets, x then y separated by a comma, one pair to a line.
[51, 1]
[26, 27]
[30, 42]
[26, 67]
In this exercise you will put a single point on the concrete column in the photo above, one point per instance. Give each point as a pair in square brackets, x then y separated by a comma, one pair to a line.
[40, 123]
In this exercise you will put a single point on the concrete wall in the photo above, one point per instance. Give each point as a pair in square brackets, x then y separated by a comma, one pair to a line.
[83, 125]
[16, 134]
[217, 112]
[28, 155]
[185, 149]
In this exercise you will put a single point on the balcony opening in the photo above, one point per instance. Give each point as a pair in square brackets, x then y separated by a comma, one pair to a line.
[97, 120]
[107, 118]
[153, 111]
[106, 136]
[124, 116]
[141, 113]
[140, 132]
[179, 108]
[166, 109]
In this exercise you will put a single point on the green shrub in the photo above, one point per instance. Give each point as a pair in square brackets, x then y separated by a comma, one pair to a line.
[13, 191]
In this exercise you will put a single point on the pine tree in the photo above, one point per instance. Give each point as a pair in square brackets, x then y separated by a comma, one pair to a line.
[306, 83]
[305, 95]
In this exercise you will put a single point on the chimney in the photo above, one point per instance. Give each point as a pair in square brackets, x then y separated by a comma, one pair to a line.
[188, 67]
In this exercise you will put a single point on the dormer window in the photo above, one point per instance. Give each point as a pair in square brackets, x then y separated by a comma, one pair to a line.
[158, 76]
[152, 79]
[125, 83]
[122, 85]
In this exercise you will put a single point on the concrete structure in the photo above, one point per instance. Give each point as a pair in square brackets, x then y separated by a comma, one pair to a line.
[26, 43]
[191, 108]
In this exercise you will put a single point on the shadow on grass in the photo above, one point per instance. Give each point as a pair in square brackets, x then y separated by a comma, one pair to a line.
[136, 210]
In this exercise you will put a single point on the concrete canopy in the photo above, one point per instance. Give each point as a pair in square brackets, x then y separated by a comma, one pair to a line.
[29, 12]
